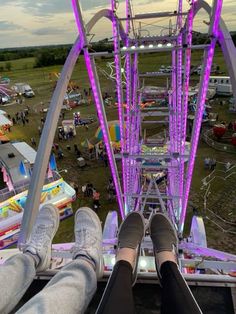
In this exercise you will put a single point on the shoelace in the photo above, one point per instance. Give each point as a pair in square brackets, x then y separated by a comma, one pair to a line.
[40, 236]
[84, 239]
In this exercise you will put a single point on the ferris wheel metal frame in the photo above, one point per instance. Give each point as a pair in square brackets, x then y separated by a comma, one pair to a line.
[130, 190]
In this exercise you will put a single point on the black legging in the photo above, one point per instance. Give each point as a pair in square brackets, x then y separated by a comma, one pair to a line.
[118, 296]
[176, 296]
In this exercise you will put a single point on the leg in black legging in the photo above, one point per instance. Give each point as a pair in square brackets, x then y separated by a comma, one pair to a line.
[118, 296]
[176, 295]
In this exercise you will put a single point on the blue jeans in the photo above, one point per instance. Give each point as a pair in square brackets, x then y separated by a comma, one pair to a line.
[69, 291]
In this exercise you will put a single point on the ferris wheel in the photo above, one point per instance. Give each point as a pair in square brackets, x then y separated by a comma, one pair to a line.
[152, 179]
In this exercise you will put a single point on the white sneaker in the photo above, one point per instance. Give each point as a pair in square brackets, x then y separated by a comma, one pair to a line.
[40, 242]
[88, 239]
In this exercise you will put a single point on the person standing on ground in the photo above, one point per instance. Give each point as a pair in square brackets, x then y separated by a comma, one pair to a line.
[96, 198]
[33, 142]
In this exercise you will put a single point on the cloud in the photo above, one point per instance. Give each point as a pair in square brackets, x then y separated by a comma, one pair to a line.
[49, 8]
[92, 4]
[46, 8]
[145, 2]
[8, 26]
[40, 7]
[48, 31]
[6, 2]
[228, 9]
[51, 21]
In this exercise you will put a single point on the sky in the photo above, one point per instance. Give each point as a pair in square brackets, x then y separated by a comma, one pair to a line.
[44, 22]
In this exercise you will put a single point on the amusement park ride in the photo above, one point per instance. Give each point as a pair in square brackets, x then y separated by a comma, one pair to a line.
[140, 187]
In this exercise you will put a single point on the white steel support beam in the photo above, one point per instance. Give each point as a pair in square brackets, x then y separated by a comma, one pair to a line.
[46, 141]
[153, 15]
[45, 145]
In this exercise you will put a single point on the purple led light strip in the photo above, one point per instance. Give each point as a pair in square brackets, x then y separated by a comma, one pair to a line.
[179, 144]
[173, 179]
[208, 58]
[99, 103]
[130, 135]
[179, 120]
[170, 186]
[128, 98]
[135, 171]
[189, 26]
[115, 28]
[179, 77]
[134, 126]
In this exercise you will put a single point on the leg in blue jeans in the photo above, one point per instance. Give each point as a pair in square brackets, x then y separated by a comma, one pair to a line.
[69, 291]
[16, 275]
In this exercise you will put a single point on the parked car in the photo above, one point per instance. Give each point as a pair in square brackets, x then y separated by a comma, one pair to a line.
[23, 89]
[73, 96]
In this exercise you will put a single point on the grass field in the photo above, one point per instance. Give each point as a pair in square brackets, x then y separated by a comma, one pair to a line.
[38, 78]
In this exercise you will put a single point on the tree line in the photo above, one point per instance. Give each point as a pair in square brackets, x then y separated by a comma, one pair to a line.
[56, 55]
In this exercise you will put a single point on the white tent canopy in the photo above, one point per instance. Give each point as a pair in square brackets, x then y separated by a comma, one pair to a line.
[4, 120]
[25, 150]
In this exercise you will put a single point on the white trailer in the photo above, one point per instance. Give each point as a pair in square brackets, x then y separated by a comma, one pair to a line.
[221, 84]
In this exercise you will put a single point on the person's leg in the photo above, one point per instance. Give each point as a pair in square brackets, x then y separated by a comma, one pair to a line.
[176, 295]
[71, 290]
[118, 295]
[16, 275]
[18, 272]
[174, 285]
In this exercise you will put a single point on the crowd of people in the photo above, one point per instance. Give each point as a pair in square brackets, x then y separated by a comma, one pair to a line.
[21, 117]
[65, 134]
[89, 190]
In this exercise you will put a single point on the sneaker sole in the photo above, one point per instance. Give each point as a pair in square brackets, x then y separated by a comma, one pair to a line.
[100, 268]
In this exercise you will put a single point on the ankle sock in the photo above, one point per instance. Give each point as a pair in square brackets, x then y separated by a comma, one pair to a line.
[34, 257]
[87, 259]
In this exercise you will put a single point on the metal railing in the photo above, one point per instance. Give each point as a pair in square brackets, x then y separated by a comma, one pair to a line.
[216, 145]
[222, 223]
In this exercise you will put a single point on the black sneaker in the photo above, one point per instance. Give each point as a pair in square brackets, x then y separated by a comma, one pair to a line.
[130, 235]
[164, 237]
